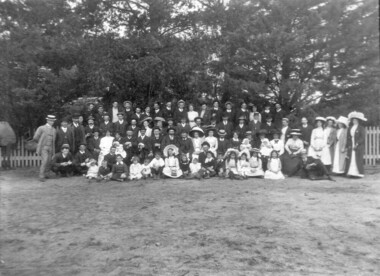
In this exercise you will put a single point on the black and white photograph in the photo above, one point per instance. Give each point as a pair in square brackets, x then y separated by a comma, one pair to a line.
[189, 137]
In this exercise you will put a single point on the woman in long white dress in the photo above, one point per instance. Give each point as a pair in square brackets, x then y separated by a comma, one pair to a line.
[171, 168]
[330, 135]
[340, 144]
[191, 115]
[105, 146]
[317, 140]
[274, 167]
[212, 140]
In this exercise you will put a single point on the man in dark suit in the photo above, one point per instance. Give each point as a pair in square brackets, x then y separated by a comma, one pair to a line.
[128, 111]
[216, 112]
[93, 144]
[279, 114]
[98, 116]
[121, 125]
[79, 133]
[205, 114]
[269, 127]
[65, 135]
[89, 129]
[226, 125]
[183, 127]
[255, 125]
[179, 112]
[106, 125]
[266, 113]
[130, 143]
[169, 139]
[80, 160]
[157, 112]
[229, 112]
[223, 142]
[242, 127]
[135, 129]
[306, 131]
[185, 144]
[144, 139]
[167, 112]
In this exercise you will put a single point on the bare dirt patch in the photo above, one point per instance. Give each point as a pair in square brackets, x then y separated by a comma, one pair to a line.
[180, 227]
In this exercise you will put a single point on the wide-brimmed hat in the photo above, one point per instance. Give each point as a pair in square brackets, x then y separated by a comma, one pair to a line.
[145, 119]
[319, 118]
[296, 132]
[285, 119]
[168, 147]
[222, 132]
[159, 119]
[246, 152]
[357, 115]
[211, 128]
[331, 118]
[196, 129]
[232, 150]
[196, 118]
[343, 120]
[50, 118]
[205, 143]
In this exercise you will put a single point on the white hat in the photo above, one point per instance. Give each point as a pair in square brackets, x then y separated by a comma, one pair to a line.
[320, 119]
[196, 129]
[331, 118]
[357, 115]
[343, 120]
[50, 118]
[173, 147]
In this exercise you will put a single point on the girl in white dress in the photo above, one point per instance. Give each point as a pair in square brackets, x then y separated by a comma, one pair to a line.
[243, 165]
[171, 168]
[105, 146]
[135, 169]
[317, 141]
[191, 115]
[212, 140]
[255, 164]
[232, 168]
[274, 167]
[148, 129]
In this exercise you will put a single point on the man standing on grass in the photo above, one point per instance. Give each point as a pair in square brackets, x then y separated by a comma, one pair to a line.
[45, 137]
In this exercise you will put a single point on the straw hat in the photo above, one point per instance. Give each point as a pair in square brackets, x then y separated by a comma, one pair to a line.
[168, 147]
[320, 119]
[145, 119]
[51, 117]
[343, 120]
[331, 118]
[357, 115]
[159, 119]
[196, 129]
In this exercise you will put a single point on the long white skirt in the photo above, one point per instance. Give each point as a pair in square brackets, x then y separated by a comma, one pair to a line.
[271, 175]
[168, 172]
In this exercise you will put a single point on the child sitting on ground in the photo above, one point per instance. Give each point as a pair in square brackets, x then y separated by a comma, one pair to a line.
[146, 171]
[184, 165]
[195, 167]
[220, 165]
[156, 165]
[119, 170]
[274, 167]
[208, 166]
[135, 169]
[104, 172]
[93, 169]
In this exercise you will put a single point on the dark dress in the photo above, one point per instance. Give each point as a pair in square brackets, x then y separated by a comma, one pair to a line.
[359, 139]
[317, 171]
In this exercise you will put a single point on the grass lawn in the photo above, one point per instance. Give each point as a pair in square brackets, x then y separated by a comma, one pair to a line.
[188, 227]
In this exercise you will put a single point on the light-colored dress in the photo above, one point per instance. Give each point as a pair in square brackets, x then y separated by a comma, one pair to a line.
[172, 168]
[135, 171]
[278, 146]
[326, 153]
[197, 144]
[317, 143]
[255, 167]
[105, 147]
[232, 166]
[243, 167]
[213, 141]
[339, 160]
[93, 171]
[191, 115]
[274, 169]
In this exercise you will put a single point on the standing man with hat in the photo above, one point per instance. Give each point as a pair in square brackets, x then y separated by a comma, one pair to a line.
[65, 135]
[229, 112]
[128, 111]
[255, 124]
[79, 133]
[180, 112]
[279, 114]
[45, 137]
[121, 125]
[226, 125]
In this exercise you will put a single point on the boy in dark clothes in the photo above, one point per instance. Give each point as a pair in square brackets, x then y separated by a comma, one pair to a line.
[119, 170]
[208, 165]
[80, 160]
[184, 165]
[220, 166]
[62, 162]
[111, 157]
[104, 172]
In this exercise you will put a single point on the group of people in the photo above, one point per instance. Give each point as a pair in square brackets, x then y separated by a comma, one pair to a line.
[199, 141]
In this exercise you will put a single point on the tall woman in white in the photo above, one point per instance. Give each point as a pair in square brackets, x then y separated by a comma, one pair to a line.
[340, 151]
[317, 141]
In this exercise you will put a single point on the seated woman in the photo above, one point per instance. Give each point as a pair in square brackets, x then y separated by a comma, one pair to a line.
[232, 169]
[171, 168]
[208, 165]
[212, 140]
[235, 141]
[196, 134]
[274, 167]
[311, 168]
[291, 157]
[62, 162]
[255, 164]
[243, 164]
[105, 146]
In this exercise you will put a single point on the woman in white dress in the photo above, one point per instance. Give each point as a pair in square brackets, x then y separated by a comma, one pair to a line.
[146, 124]
[340, 144]
[191, 115]
[274, 167]
[105, 146]
[212, 140]
[171, 168]
[255, 164]
[330, 135]
[317, 140]
[196, 134]
[356, 145]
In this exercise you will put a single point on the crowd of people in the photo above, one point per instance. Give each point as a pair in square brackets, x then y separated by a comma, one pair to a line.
[198, 141]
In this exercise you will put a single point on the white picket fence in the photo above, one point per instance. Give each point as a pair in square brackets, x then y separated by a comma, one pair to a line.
[23, 158]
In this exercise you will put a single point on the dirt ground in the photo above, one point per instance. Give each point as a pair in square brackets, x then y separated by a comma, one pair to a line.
[181, 227]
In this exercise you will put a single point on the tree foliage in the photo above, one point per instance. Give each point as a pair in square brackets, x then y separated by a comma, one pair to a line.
[319, 54]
